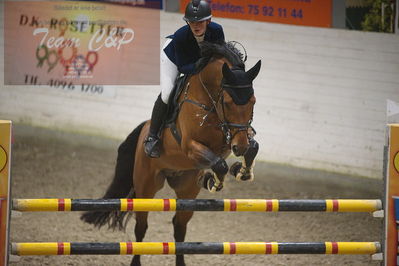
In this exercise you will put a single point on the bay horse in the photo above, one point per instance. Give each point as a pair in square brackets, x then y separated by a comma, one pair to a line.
[214, 118]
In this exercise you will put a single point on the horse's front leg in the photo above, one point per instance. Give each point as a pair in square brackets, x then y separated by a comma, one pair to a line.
[205, 159]
[214, 181]
[244, 171]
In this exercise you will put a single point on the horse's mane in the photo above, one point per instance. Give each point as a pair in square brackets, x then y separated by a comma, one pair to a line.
[218, 50]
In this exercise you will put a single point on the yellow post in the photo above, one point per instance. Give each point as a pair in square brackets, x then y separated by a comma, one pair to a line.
[392, 189]
[5, 163]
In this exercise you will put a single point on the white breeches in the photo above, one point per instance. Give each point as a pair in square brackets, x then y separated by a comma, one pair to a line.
[168, 74]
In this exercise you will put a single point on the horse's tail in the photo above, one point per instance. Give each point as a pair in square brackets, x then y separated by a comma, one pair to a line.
[121, 186]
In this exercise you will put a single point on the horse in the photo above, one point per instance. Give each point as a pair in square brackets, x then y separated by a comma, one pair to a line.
[215, 111]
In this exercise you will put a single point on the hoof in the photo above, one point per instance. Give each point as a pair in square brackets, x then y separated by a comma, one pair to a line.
[211, 184]
[235, 168]
[245, 177]
[241, 173]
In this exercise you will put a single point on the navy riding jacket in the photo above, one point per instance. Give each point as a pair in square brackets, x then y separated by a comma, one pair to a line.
[184, 51]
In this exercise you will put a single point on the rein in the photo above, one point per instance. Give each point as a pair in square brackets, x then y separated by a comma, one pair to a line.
[225, 126]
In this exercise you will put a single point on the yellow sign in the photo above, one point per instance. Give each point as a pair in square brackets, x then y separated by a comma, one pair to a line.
[3, 158]
[5, 150]
[392, 190]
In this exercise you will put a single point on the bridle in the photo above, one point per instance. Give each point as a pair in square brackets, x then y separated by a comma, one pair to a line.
[225, 126]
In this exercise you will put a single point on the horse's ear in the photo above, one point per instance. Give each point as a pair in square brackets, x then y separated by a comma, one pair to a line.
[254, 71]
[227, 73]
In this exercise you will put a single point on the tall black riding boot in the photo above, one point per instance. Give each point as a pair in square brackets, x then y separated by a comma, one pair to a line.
[151, 143]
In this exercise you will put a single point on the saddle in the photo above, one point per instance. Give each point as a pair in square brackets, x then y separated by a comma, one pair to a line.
[174, 107]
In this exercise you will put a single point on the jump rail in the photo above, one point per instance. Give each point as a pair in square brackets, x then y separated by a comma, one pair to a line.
[389, 254]
[168, 248]
[227, 205]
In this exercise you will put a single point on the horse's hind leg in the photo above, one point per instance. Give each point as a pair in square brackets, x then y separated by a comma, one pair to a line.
[139, 230]
[186, 188]
[147, 186]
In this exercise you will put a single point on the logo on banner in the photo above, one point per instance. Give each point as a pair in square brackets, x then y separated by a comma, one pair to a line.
[3, 158]
[81, 45]
[396, 162]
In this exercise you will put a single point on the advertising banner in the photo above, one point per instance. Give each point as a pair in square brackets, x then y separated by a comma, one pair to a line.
[297, 12]
[79, 45]
[158, 4]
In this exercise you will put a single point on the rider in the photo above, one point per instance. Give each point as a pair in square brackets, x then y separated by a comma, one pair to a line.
[178, 55]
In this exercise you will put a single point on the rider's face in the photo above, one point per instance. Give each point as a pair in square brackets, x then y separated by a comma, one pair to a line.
[198, 28]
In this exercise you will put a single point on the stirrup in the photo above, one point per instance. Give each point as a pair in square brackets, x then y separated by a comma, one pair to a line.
[151, 146]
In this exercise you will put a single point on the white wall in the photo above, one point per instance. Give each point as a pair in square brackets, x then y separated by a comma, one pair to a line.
[321, 96]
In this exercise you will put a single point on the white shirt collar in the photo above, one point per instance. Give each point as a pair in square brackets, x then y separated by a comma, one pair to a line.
[199, 38]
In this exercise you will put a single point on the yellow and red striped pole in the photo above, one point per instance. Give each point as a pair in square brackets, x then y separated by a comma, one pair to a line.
[169, 248]
[227, 205]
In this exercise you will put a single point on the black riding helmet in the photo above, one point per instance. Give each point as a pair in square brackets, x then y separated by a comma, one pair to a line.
[197, 10]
